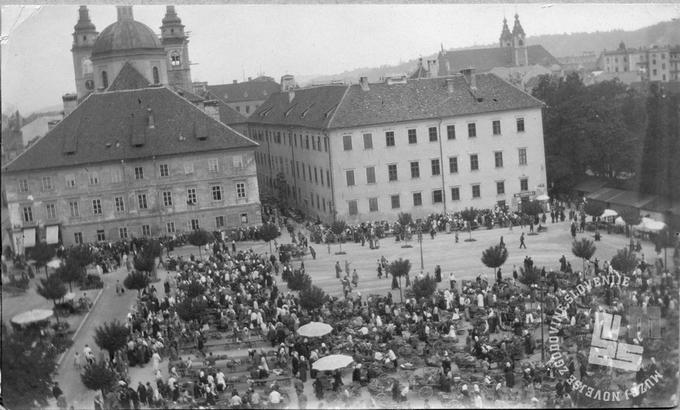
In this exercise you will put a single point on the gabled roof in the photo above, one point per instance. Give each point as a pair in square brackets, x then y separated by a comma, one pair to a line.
[338, 106]
[484, 59]
[128, 79]
[114, 126]
[229, 115]
[259, 89]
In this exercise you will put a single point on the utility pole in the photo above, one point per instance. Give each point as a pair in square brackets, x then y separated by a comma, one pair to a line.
[542, 311]
[420, 240]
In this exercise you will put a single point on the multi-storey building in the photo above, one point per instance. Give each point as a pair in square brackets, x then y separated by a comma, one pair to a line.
[244, 97]
[143, 162]
[369, 151]
[648, 63]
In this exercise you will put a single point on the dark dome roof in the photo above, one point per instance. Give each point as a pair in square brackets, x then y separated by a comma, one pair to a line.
[125, 35]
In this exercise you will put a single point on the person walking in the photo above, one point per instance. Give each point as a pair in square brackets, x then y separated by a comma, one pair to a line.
[312, 252]
[355, 278]
[521, 241]
[338, 269]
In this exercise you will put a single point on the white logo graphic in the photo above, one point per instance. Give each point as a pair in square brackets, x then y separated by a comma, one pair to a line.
[606, 350]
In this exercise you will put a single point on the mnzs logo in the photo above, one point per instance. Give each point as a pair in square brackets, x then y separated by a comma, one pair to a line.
[606, 350]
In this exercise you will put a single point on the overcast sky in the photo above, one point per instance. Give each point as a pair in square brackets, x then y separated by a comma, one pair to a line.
[230, 42]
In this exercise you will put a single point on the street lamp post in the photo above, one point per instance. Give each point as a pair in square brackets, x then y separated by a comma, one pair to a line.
[420, 241]
[542, 312]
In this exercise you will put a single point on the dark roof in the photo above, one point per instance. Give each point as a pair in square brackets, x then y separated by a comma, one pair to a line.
[338, 106]
[128, 79]
[245, 91]
[484, 59]
[120, 120]
[194, 98]
[621, 197]
[229, 115]
[125, 35]
[590, 184]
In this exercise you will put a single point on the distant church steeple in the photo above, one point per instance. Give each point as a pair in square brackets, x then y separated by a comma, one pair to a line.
[176, 45]
[506, 36]
[84, 36]
[520, 52]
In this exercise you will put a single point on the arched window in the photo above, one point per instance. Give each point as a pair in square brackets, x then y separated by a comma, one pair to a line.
[521, 43]
[156, 78]
[175, 59]
[105, 79]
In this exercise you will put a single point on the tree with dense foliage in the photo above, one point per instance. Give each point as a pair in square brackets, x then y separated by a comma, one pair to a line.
[584, 249]
[663, 240]
[424, 288]
[27, 368]
[399, 269]
[299, 280]
[144, 261]
[111, 336]
[200, 238]
[495, 256]
[269, 232]
[98, 377]
[532, 208]
[136, 280]
[469, 215]
[70, 272]
[42, 253]
[191, 309]
[528, 277]
[193, 289]
[624, 261]
[312, 298]
[52, 289]
[81, 256]
[338, 228]
[631, 217]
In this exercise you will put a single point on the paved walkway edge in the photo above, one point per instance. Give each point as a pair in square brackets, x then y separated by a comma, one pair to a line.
[82, 322]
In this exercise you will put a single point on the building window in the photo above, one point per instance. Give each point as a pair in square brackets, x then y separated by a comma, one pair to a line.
[47, 183]
[167, 198]
[105, 79]
[116, 176]
[156, 77]
[316, 177]
[347, 142]
[194, 224]
[240, 190]
[368, 141]
[163, 168]
[451, 132]
[436, 169]
[392, 172]
[496, 127]
[191, 196]
[349, 174]
[476, 191]
[520, 124]
[244, 218]
[100, 235]
[307, 142]
[146, 230]
[94, 178]
[119, 203]
[73, 206]
[498, 159]
[213, 165]
[175, 59]
[70, 181]
[141, 201]
[389, 138]
[216, 191]
[51, 211]
[472, 130]
[219, 221]
[373, 204]
[417, 199]
[78, 238]
[28, 214]
[412, 137]
[500, 187]
[96, 207]
[122, 233]
[524, 184]
[189, 168]
[313, 144]
[415, 169]
[370, 175]
[437, 196]
[247, 109]
[23, 185]
[325, 144]
[522, 156]
[353, 208]
[139, 173]
[453, 165]
[432, 132]
[474, 162]
[170, 227]
[328, 178]
[455, 194]
[395, 201]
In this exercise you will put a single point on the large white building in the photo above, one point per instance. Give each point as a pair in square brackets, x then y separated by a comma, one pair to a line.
[369, 151]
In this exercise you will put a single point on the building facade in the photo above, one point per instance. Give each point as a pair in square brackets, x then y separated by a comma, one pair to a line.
[648, 63]
[115, 169]
[244, 97]
[370, 151]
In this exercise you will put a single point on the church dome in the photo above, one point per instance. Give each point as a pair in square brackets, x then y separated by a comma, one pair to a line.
[124, 36]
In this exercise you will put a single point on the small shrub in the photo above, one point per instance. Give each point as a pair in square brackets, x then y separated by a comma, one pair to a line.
[91, 281]
[299, 280]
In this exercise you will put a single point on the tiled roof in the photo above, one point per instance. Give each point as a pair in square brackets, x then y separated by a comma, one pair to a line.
[350, 106]
[484, 59]
[128, 79]
[246, 91]
[113, 126]
[229, 115]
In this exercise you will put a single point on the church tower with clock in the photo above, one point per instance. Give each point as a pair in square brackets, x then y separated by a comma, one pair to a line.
[176, 45]
[84, 36]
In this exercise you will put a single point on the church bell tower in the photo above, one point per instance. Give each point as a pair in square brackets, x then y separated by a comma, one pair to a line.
[84, 36]
[176, 45]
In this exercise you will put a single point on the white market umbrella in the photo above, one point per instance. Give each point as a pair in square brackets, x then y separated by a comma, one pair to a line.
[650, 225]
[54, 263]
[32, 316]
[69, 296]
[619, 221]
[609, 212]
[332, 362]
[315, 329]
[542, 197]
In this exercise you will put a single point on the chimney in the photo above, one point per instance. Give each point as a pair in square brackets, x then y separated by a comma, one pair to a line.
[124, 13]
[234, 82]
[151, 124]
[291, 94]
[51, 125]
[70, 103]
[287, 82]
[449, 85]
[470, 78]
[363, 81]
[211, 108]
